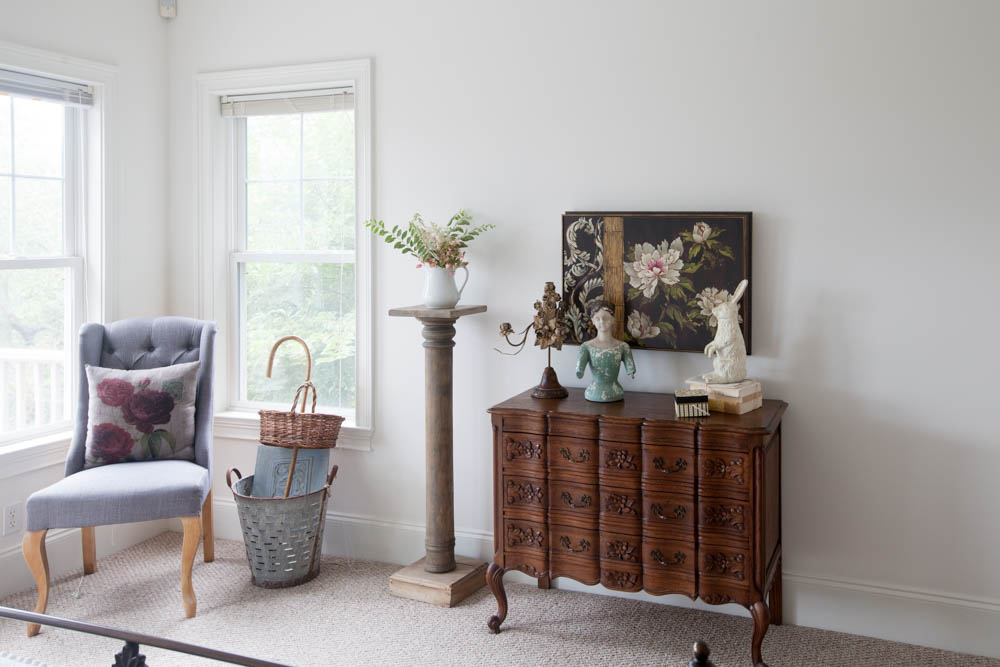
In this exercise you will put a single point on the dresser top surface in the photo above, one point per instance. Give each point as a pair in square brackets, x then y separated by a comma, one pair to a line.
[639, 406]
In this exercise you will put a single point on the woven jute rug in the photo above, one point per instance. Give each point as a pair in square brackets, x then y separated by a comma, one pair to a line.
[346, 616]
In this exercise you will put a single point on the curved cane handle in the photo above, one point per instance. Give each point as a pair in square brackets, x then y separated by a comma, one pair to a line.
[309, 359]
[229, 475]
[464, 282]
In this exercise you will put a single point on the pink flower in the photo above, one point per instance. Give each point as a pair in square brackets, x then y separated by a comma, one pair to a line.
[111, 443]
[114, 392]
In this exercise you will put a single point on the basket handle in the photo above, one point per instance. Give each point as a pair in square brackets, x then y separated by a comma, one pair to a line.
[229, 474]
[306, 386]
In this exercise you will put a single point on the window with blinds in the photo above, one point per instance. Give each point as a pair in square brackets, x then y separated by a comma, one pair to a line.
[294, 257]
[42, 128]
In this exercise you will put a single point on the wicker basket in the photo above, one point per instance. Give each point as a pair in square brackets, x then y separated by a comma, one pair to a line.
[310, 430]
[283, 536]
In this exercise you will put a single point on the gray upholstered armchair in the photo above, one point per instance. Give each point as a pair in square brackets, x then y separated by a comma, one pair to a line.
[140, 490]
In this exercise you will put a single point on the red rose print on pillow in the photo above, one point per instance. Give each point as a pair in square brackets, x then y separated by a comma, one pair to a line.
[114, 392]
[145, 408]
[111, 443]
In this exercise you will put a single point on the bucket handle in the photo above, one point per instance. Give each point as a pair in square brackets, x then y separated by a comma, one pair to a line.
[333, 473]
[229, 480]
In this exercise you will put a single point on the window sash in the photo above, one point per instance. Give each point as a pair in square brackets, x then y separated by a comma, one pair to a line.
[72, 258]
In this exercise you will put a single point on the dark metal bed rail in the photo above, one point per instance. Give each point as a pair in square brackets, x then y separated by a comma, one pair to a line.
[129, 655]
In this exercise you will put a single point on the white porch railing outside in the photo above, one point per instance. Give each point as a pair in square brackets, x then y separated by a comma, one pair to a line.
[34, 389]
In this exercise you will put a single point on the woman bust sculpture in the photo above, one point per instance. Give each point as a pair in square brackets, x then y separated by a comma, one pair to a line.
[605, 354]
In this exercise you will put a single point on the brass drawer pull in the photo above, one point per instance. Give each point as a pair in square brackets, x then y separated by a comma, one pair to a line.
[582, 457]
[584, 545]
[585, 500]
[680, 465]
[657, 555]
[657, 510]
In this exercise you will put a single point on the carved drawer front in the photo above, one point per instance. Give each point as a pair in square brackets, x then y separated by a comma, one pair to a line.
[574, 456]
[619, 548]
[714, 592]
[673, 556]
[620, 431]
[529, 493]
[620, 576]
[724, 440]
[573, 541]
[724, 474]
[524, 424]
[668, 433]
[620, 464]
[573, 428]
[573, 499]
[535, 564]
[668, 467]
[724, 518]
[724, 564]
[668, 512]
[586, 571]
[621, 509]
[523, 452]
[524, 534]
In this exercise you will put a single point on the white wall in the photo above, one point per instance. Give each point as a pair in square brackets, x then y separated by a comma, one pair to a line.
[130, 36]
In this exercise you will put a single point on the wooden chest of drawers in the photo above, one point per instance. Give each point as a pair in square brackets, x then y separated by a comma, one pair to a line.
[626, 495]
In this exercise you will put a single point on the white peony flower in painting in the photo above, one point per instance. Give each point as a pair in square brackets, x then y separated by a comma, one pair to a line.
[701, 232]
[640, 326]
[709, 298]
[652, 265]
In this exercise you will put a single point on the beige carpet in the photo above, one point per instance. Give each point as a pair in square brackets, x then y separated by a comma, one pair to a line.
[347, 617]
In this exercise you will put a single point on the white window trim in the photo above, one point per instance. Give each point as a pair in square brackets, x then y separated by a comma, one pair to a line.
[216, 238]
[95, 231]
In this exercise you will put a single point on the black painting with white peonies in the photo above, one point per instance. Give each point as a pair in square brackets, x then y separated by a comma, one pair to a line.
[665, 271]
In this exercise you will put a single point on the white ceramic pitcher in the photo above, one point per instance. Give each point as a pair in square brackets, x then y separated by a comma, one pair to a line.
[439, 287]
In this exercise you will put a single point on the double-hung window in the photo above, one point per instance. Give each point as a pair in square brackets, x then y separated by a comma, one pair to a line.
[43, 125]
[294, 265]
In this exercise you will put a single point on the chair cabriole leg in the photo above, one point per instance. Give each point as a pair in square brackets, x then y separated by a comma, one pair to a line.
[208, 529]
[192, 535]
[33, 548]
[89, 539]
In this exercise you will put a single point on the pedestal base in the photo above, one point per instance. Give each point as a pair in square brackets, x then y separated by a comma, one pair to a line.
[446, 589]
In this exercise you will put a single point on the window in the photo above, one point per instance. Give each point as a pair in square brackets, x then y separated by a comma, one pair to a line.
[42, 135]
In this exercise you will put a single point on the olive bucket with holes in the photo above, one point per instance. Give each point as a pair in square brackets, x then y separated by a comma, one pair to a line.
[283, 536]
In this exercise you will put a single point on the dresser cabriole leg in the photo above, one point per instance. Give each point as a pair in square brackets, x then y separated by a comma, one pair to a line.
[774, 599]
[761, 621]
[494, 579]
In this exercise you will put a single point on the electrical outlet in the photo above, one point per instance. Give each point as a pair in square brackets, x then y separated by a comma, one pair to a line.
[12, 518]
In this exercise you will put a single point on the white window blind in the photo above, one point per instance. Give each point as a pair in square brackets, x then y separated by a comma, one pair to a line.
[305, 101]
[21, 84]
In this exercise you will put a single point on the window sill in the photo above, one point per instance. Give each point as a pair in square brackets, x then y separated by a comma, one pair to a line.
[25, 456]
[239, 425]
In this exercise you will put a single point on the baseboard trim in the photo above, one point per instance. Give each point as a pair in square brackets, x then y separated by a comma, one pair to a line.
[915, 616]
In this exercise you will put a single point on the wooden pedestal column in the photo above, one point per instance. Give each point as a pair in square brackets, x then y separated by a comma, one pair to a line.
[439, 578]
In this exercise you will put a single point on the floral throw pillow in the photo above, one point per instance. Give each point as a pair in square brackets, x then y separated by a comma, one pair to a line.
[141, 415]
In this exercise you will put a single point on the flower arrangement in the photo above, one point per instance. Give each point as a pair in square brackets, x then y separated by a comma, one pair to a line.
[433, 245]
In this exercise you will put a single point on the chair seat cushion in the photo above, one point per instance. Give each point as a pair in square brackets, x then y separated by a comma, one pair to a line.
[120, 493]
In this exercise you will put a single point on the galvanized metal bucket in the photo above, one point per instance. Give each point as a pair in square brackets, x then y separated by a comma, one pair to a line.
[283, 536]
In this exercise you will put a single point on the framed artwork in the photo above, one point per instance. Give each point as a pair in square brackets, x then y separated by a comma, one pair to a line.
[664, 272]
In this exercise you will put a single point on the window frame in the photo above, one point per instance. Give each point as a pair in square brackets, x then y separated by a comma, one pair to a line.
[89, 219]
[219, 217]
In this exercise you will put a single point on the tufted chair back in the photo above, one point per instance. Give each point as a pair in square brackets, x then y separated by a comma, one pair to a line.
[147, 343]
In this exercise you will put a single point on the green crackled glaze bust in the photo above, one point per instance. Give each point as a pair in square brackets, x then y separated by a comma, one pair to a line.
[605, 354]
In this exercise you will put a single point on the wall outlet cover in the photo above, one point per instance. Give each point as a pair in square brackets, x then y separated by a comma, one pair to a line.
[12, 517]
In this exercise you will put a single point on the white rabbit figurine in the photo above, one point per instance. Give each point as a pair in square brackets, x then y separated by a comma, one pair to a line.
[728, 348]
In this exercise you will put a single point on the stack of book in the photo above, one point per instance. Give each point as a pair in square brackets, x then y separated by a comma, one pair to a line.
[737, 398]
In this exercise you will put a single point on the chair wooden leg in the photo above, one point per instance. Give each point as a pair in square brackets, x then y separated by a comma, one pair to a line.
[33, 548]
[87, 535]
[208, 530]
[192, 535]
